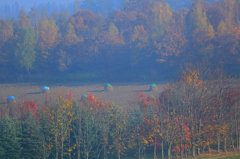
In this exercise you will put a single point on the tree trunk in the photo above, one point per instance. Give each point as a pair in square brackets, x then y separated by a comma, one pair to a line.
[225, 143]
[199, 150]
[192, 133]
[79, 153]
[139, 152]
[193, 150]
[119, 154]
[181, 140]
[238, 141]
[236, 128]
[185, 150]
[155, 148]
[209, 150]
[232, 141]
[44, 149]
[69, 145]
[56, 148]
[218, 142]
[104, 149]
[62, 151]
[169, 152]
[162, 133]
[162, 149]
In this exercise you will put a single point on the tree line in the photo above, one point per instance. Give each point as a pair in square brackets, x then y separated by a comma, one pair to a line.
[145, 35]
[191, 116]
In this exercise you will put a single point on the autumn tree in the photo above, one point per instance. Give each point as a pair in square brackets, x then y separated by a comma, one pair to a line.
[35, 17]
[6, 31]
[71, 37]
[200, 32]
[119, 131]
[23, 20]
[48, 39]
[25, 48]
[77, 128]
[60, 118]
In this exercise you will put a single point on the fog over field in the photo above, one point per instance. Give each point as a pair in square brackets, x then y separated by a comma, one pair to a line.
[125, 79]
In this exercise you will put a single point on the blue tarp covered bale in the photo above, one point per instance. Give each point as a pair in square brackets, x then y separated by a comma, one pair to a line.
[83, 96]
[11, 99]
[151, 96]
[108, 87]
[45, 89]
[153, 87]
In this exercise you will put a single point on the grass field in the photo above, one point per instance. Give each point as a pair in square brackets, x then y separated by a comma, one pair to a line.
[223, 155]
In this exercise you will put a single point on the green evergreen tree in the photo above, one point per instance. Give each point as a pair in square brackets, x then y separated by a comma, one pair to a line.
[10, 146]
[45, 134]
[31, 141]
[2, 151]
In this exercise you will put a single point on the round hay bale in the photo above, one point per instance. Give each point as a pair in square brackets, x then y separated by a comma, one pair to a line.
[45, 89]
[11, 99]
[84, 96]
[108, 87]
[153, 87]
[151, 96]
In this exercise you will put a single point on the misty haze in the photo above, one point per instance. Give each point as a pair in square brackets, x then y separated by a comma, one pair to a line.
[130, 79]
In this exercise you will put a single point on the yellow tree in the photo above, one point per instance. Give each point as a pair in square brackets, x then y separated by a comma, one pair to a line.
[23, 20]
[48, 37]
[77, 127]
[138, 133]
[200, 31]
[227, 42]
[71, 38]
[227, 9]
[162, 14]
[142, 121]
[104, 114]
[6, 31]
[119, 132]
[91, 129]
[161, 18]
[61, 117]
[192, 90]
[111, 36]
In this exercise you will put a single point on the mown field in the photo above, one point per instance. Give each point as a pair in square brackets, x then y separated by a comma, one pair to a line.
[122, 92]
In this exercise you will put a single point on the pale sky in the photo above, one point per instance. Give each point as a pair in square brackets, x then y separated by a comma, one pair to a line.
[30, 3]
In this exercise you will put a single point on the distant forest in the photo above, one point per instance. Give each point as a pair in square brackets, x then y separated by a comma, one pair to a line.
[139, 40]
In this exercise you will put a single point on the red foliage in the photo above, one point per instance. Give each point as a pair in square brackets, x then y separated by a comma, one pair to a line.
[177, 148]
[93, 101]
[29, 106]
[70, 96]
[140, 98]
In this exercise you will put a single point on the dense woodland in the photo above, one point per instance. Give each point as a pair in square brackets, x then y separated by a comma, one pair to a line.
[145, 39]
[190, 117]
